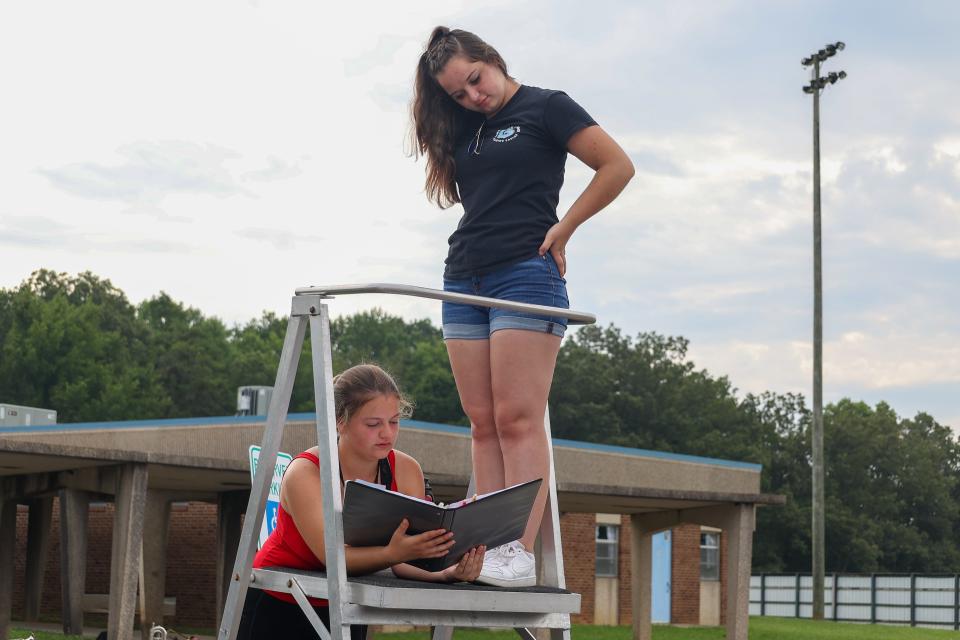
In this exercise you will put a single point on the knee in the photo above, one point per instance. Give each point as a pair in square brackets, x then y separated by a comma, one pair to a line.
[516, 424]
[482, 424]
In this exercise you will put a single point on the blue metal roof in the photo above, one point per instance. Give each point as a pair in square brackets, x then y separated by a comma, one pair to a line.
[417, 424]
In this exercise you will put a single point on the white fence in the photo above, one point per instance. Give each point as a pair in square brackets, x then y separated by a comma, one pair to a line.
[916, 600]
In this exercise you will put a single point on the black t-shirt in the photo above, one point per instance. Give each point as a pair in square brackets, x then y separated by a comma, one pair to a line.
[510, 182]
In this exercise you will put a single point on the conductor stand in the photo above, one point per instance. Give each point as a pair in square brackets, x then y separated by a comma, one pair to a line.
[377, 599]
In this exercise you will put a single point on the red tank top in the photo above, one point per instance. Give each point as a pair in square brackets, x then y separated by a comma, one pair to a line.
[286, 547]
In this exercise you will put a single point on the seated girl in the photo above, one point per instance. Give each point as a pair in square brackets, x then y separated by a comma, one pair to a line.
[368, 410]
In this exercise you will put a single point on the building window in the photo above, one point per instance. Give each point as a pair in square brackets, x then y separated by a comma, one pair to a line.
[607, 555]
[709, 555]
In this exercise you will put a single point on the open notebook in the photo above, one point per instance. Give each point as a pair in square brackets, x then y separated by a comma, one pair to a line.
[371, 514]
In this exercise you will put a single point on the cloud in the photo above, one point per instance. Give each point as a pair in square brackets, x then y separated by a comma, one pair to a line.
[151, 171]
[899, 194]
[276, 130]
[32, 231]
[854, 361]
[381, 54]
[50, 234]
[278, 238]
[276, 169]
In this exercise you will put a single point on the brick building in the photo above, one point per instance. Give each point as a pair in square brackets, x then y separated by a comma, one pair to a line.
[603, 493]
[191, 574]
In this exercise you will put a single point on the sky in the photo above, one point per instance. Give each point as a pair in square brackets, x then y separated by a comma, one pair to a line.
[228, 152]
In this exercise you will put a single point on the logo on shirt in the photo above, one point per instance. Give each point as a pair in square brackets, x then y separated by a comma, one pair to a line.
[506, 135]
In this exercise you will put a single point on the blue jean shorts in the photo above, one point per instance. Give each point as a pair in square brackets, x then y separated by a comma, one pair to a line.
[534, 281]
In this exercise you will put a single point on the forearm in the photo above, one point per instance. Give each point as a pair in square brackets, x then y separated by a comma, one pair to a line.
[410, 572]
[607, 183]
[362, 560]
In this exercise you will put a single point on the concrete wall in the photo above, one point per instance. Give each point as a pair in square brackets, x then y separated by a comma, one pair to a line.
[441, 450]
[710, 602]
[444, 452]
[191, 573]
[685, 587]
[606, 601]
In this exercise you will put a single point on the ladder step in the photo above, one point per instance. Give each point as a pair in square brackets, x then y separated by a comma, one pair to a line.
[394, 593]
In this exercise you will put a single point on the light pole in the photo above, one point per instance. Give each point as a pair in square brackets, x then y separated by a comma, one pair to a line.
[816, 86]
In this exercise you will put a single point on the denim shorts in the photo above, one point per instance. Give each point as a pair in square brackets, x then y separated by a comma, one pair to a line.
[535, 281]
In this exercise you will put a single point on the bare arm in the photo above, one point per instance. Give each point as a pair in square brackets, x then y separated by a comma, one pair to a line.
[595, 148]
[466, 570]
[410, 482]
[302, 497]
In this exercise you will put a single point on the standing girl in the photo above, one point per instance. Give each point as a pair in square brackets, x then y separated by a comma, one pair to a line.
[499, 148]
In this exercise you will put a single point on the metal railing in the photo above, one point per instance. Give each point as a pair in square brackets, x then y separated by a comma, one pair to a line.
[330, 291]
[914, 599]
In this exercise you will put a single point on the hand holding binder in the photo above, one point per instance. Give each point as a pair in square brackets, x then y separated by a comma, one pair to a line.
[371, 515]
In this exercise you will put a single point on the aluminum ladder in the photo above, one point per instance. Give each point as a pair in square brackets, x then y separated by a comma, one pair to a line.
[378, 599]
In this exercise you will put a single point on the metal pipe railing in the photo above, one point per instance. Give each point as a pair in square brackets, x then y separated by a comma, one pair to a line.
[331, 291]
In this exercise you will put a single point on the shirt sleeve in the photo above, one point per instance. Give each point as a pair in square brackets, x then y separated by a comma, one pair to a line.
[562, 117]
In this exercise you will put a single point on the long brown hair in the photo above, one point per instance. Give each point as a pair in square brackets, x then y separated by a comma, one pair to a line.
[359, 385]
[435, 115]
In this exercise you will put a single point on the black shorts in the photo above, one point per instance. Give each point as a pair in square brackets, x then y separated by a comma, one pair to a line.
[267, 618]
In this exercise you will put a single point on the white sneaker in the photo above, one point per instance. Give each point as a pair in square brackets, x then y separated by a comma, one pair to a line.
[510, 566]
[493, 557]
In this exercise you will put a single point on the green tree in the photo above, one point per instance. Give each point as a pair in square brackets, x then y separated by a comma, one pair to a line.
[782, 540]
[413, 352]
[191, 357]
[255, 355]
[74, 344]
[643, 392]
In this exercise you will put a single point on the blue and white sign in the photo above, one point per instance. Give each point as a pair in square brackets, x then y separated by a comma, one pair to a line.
[273, 499]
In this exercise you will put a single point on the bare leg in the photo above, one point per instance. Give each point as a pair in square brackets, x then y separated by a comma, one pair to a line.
[470, 361]
[521, 365]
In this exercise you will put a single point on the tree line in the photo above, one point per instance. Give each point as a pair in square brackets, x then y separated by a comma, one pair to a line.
[78, 345]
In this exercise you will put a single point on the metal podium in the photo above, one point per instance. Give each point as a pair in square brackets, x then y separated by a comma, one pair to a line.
[378, 599]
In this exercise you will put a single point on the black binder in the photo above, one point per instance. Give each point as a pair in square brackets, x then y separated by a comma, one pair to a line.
[371, 514]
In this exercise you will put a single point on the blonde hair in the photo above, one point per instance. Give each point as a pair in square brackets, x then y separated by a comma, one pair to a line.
[359, 385]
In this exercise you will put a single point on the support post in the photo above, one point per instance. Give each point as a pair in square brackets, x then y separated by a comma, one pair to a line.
[641, 576]
[834, 592]
[153, 561]
[956, 602]
[38, 543]
[74, 510]
[230, 505]
[763, 594]
[739, 543]
[8, 543]
[550, 560]
[817, 517]
[913, 599]
[796, 594]
[329, 461]
[129, 506]
[260, 487]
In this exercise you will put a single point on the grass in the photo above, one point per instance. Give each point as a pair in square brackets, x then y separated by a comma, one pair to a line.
[14, 634]
[760, 629]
